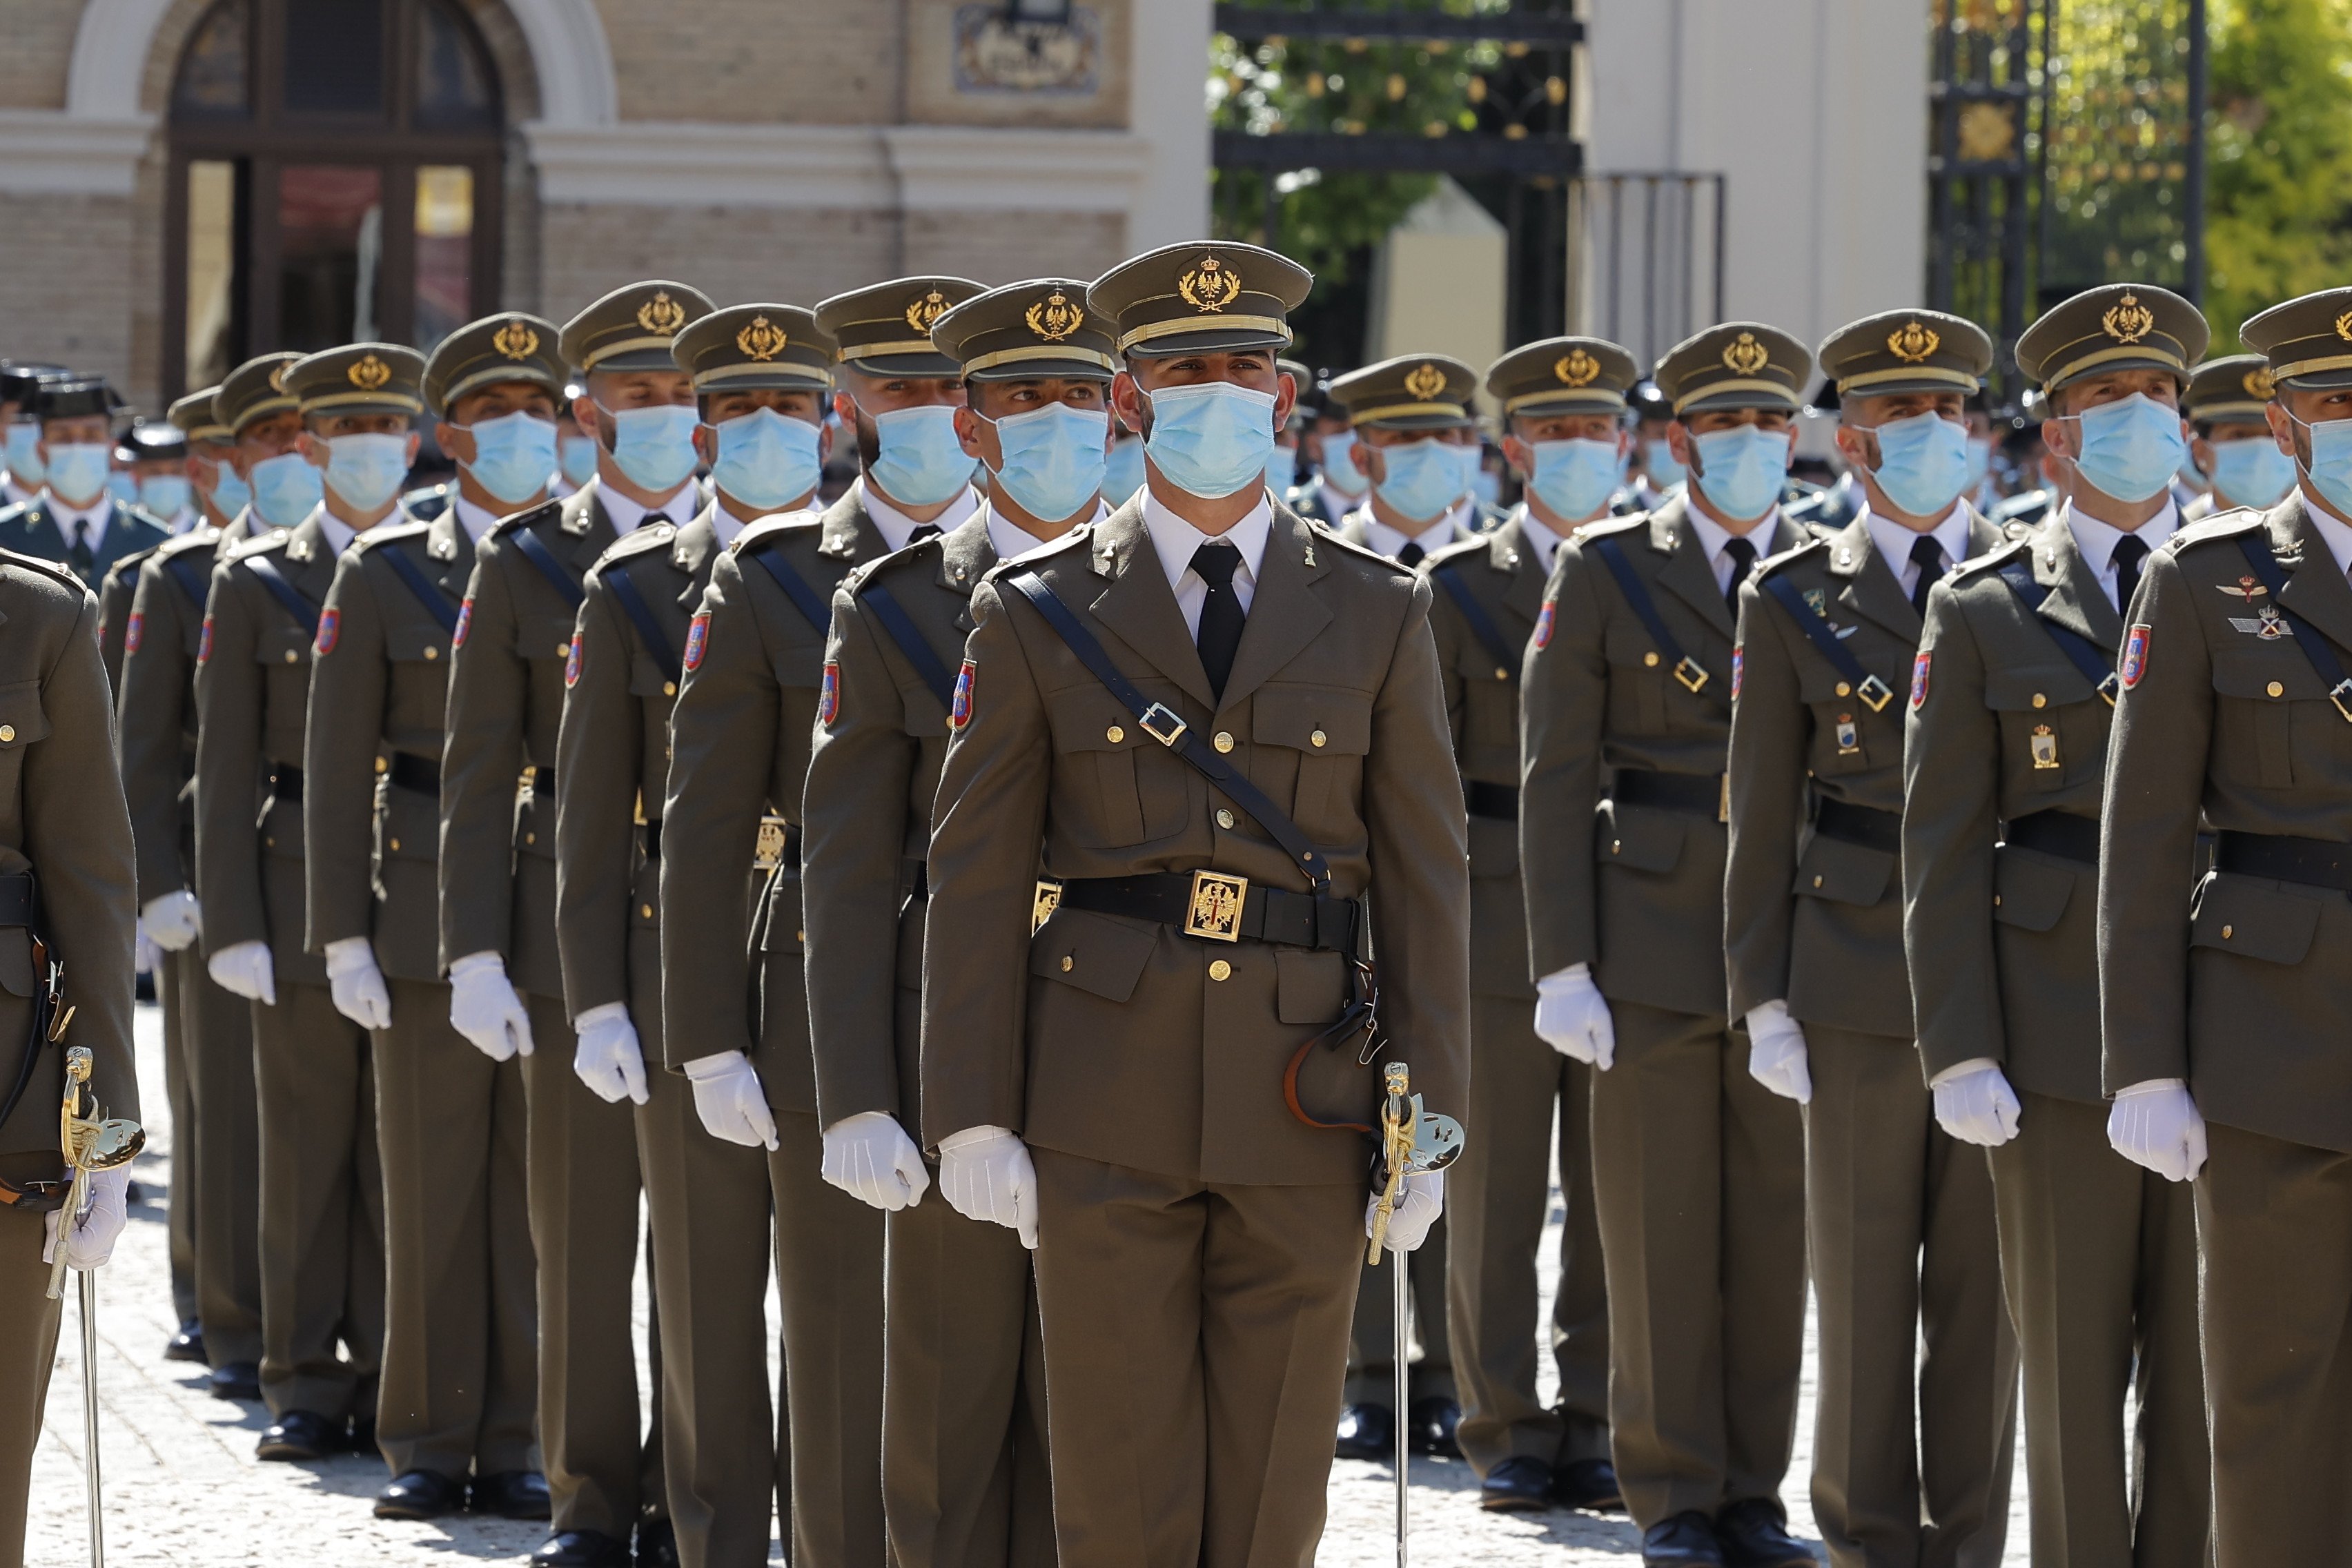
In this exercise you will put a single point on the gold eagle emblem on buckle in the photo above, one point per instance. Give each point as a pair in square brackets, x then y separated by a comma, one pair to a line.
[515, 341]
[1214, 909]
[925, 309]
[1211, 286]
[1576, 368]
[2127, 321]
[1425, 380]
[762, 340]
[661, 314]
[768, 849]
[1745, 356]
[1043, 903]
[2259, 382]
[1913, 341]
[1054, 318]
[368, 372]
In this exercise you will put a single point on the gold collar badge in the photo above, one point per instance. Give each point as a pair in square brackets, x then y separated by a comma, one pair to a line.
[369, 373]
[925, 311]
[2127, 321]
[661, 314]
[1211, 286]
[1745, 356]
[1576, 368]
[515, 341]
[1054, 318]
[1425, 380]
[762, 340]
[1913, 341]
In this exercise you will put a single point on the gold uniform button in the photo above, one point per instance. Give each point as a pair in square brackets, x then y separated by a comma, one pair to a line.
[2277, 689]
[1068, 963]
[2225, 932]
[1221, 970]
[432, 653]
[1502, 674]
[1319, 739]
[2040, 700]
[395, 845]
[291, 656]
[1225, 816]
[1817, 882]
[1616, 847]
[1844, 689]
[1114, 734]
[1649, 660]
[1996, 900]
[530, 838]
[563, 650]
[382, 764]
[647, 910]
[1225, 740]
[7, 732]
[669, 688]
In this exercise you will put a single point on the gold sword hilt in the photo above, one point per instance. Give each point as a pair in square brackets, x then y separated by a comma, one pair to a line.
[1396, 1150]
[89, 1142]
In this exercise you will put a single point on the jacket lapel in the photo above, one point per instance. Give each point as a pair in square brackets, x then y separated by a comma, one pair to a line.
[849, 533]
[312, 563]
[966, 553]
[452, 549]
[1284, 614]
[1509, 552]
[1685, 572]
[1139, 607]
[1871, 587]
[2075, 600]
[2315, 589]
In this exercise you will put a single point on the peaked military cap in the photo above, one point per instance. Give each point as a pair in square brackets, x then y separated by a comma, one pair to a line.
[885, 329]
[632, 327]
[1648, 402]
[2308, 342]
[359, 378]
[2234, 389]
[2116, 326]
[18, 379]
[1905, 351]
[1562, 375]
[71, 397]
[196, 419]
[152, 440]
[1039, 328]
[255, 390]
[508, 346]
[1203, 296]
[745, 346]
[1738, 364]
[1411, 392]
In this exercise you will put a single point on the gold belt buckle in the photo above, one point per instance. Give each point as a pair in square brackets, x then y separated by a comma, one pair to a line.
[1214, 909]
[767, 850]
[1043, 903]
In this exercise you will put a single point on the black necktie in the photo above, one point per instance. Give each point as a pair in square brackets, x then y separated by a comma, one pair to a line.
[1742, 556]
[652, 519]
[1928, 556]
[1221, 613]
[1411, 553]
[2131, 552]
[923, 531]
[78, 552]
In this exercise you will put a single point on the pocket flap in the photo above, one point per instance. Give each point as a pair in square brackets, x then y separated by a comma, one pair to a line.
[22, 718]
[411, 824]
[1325, 719]
[2254, 918]
[2054, 684]
[1494, 847]
[546, 637]
[2030, 890]
[1841, 872]
[281, 644]
[646, 679]
[1638, 837]
[1309, 987]
[2250, 672]
[1099, 954]
[416, 642]
[1089, 719]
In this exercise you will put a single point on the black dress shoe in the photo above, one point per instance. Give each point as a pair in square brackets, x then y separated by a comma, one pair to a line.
[1431, 1423]
[512, 1494]
[299, 1435]
[188, 1344]
[1367, 1432]
[581, 1549]
[235, 1380]
[656, 1544]
[1686, 1541]
[1755, 1535]
[1588, 1484]
[1521, 1484]
[420, 1494]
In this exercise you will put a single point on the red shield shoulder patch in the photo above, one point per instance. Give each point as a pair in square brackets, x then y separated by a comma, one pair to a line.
[465, 623]
[1543, 623]
[572, 665]
[204, 643]
[2135, 660]
[1738, 667]
[960, 710]
[1919, 680]
[697, 641]
[828, 697]
[133, 631]
[331, 632]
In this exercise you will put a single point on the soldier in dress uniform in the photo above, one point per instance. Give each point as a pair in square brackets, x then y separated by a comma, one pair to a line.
[21, 474]
[2228, 405]
[1563, 410]
[76, 519]
[760, 375]
[964, 1475]
[1337, 486]
[2004, 754]
[1655, 470]
[222, 495]
[734, 1002]
[1417, 446]
[2223, 1032]
[158, 462]
[1197, 1208]
[1899, 1214]
[321, 1219]
[498, 872]
[67, 885]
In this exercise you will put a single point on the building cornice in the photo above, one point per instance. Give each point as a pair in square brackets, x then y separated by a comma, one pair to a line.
[45, 152]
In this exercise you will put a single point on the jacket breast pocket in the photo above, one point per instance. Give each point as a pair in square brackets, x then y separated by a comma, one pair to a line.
[1098, 779]
[647, 679]
[1637, 680]
[282, 645]
[2044, 722]
[2261, 687]
[546, 637]
[1645, 840]
[1844, 873]
[22, 720]
[1326, 730]
[1846, 730]
[1100, 954]
[2254, 919]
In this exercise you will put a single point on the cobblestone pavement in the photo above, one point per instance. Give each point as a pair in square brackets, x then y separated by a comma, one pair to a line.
[183, 1488]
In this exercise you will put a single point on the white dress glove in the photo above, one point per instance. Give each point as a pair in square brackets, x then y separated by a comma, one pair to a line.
[729, 1097]
[1975, 1104]
[145, 956]
[245, 969]
[1775, 1053]
[89, 1240]
[484, 1008]
[2156, 1124]
[1420, 1201]
[870, 1157]
[173, 921]
[608, 1059]
[985, 1174]
[1572, 1017]
[356, 984]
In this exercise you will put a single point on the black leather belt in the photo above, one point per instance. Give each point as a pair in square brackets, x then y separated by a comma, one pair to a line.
[543, 781]
[17, 899]
[653, 839]
[1863, 825]
[2316, 862]
[410, 771]
[1218, 906]
[2059, 833]
[1700, 794]
[1500, 801]
[286, 782]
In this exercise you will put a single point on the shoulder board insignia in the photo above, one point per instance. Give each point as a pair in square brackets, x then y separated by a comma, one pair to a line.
[2008, 550]
[1796, 552]
[1364, 553]
[537, 514]
[385, 535]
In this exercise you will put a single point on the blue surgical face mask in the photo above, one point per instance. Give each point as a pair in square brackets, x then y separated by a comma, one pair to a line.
[655, 447]
[1979, 459]
[1339, 470]
[1211, 439]
[579, 458]
[1923, 463]
[367, 471]
[513, 455]
[286, 489]
[1282, 469]
[1742, 469]
[165, 495]
[1053, 459]
[77, 471]
[2131, 448]
[767, 460]
[1576, 479]
[922, 461]
[1123, 472]
[123, 486]
[24, 451]
[2330, 470]
[1424, 478]
[1486, 487]
[1658, 462]
[2251, 471]
[230, 494]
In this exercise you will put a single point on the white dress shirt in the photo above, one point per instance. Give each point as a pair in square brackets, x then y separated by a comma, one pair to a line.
[897, 527]
[2337, 534]
[1391, 542]
[1009, 539]
[1175, 539]
[477, 520]
[1541, 536]
[2097, 541]
[1894, 542]
[96, 515]
[339, 533]
[1714, 539]
[679, 506]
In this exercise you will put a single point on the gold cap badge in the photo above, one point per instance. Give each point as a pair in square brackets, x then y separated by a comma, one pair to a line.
[278, 375]
[516, 340]
[1577, 368]
[2344, 326]
[661, 314]
[1425, 380]
[762, 340]
[2127, 321]
[1054, 318]
[1211, 286]
[1913, 341]
[925, 311]
[2260, 383]
[1745, 355]
[369, 373]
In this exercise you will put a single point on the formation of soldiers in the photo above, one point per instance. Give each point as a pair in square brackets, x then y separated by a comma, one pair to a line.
[628, 831]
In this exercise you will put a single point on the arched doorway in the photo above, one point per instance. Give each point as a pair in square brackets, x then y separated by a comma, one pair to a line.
[334, 176]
